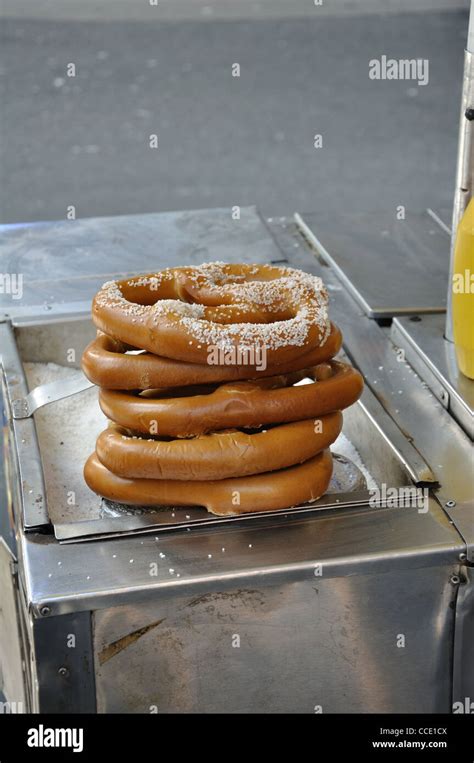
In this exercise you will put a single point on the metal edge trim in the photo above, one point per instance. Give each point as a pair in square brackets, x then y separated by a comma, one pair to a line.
[441, 388]
[27, 453]
[409, 457]
[336, 567]
[145, 524]
[80, 310]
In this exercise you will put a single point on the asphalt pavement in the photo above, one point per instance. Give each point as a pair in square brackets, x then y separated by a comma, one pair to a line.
[223, 140]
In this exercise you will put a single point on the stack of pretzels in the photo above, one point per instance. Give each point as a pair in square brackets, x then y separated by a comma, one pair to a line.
[198, 369]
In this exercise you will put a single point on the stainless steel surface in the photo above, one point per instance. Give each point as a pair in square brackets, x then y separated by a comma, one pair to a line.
[11, 658]
[403, 394]
[64, 263]
[317, 644]
[61, 341]
[463, 657]
[24, 407]
[10, 485]
[465, 169]
[24, 458]
[433, 358]
[101, 574]
[390, 453]
[406, 455]
[390, 266]
[116, 520]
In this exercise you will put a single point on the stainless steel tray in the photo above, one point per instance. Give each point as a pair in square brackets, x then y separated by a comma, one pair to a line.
[57, 471]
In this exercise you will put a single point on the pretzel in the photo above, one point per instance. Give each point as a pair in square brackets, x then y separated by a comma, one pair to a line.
[270, 491]
[106, 364]
[183, 313]
[239, 404]
[234, 435]
[218, 455]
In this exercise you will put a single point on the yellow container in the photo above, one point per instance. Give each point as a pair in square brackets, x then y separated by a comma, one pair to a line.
[463, 293]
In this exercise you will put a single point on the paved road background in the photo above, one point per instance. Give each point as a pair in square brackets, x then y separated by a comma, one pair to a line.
[84, 140]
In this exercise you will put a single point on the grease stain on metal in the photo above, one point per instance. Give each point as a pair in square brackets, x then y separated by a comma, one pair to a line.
[122, 643]
[242, 597]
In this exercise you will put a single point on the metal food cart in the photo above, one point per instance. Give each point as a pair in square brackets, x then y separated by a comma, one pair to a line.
[344, 605]
[337, 606]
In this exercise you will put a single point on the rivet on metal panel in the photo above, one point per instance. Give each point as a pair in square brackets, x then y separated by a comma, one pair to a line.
[45, 611]
[63, 671]
[462, 557]
[450, 504]
[455, 579]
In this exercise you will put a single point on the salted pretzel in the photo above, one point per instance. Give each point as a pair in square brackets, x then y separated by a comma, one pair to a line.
[183, 313]
[106, 363]
[235, 435]
[218, 455]
[237, 495]
[236, 404]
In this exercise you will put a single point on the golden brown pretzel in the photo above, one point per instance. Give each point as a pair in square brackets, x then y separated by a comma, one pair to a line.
[239, 404]
[238, 495]
[105, 363]
[182, 313]
[216, 456]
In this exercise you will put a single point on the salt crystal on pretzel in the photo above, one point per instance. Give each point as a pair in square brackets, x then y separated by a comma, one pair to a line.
[181, 313]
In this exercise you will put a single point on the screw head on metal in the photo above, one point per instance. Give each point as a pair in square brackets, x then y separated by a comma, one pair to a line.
[455, 579]
[450, 504]
[63, 671]
[462, 557]
[45, 611]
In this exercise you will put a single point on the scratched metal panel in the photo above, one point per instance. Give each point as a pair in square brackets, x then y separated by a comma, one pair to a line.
[62, 264]
[328, 642]
[391, 266]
